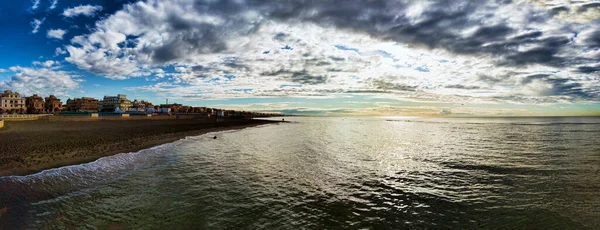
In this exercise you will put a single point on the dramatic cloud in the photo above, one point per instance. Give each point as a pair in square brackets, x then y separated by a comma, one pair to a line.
[36, 23]
[581, 11]
[86, 10]
[36, 4]
[47, 64]
[53, 4]
[56, 33]
[59, 51]
[422, 50]
[44, 81]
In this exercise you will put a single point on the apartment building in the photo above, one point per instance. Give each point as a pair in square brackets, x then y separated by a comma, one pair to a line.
[114, 103]
[52, 104]
[141, 106]
[12, 102]
[84, 104]
[34, 104]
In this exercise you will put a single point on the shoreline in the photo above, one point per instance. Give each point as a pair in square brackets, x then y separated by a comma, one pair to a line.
[78, 149]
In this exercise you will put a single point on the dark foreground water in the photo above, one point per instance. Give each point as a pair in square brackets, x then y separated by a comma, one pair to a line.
[330, 173]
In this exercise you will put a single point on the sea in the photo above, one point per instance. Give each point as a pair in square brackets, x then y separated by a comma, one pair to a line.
[332, 173]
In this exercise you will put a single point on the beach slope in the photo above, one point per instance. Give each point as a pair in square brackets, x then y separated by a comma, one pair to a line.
[27, 147]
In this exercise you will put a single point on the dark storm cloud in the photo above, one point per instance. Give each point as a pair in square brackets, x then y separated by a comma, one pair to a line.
[585, 7]
[588, 69]
[335, 70]
[559, 9]
[386, 85]
[337, 58]
[191, 36]
[561, 87]
[478, 28]
[199, 68]
[592, 39]
[366, 91]
[528, 35]
[197, 41]
[441, 25]
[491, 79]
[530, 78]
[315, 61]
[458, 86]
[545, 52]
[545, 55]
[323, 63]
[437, 27]
[281, 37]
[235, 63]
[301, 77]
[277, 73]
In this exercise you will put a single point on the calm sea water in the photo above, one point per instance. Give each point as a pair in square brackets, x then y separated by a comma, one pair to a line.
[330, 173]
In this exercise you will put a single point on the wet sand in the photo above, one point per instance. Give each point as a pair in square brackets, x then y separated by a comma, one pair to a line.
[27, 147]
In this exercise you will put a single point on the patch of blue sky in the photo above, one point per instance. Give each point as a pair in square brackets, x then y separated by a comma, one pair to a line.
[405, 65]
[266, 52]
[343, 47]
[384, 53]
[130, 42]
[422, 69]
[204, 91]
[290, 86]
[287, 47]
[229, 76]
[213, 80]
[169, 69]
[242, 90]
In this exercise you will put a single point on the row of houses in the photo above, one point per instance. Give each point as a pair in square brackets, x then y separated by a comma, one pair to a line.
[12, 102]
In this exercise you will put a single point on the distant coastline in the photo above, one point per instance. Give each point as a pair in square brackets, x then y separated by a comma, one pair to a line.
[32, 146]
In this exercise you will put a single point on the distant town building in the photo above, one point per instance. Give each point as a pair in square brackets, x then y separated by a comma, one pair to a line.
[53, 104]
[141, 106]
[12, 102]
[115, 103]
[84, 104]
[175, 108]
[34, 104]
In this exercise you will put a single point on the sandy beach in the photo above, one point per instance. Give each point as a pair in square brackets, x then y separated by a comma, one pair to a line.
[27, 147]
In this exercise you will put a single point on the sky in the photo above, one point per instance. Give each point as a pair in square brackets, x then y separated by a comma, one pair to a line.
[327, 57]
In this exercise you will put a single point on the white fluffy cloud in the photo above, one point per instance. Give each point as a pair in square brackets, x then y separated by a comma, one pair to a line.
[428, 51]
[36, 23]
[86, 10]
[56, 33]
[53, 4]
[43, 81]
[36, 4]
[59, 51]
[47, 64]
